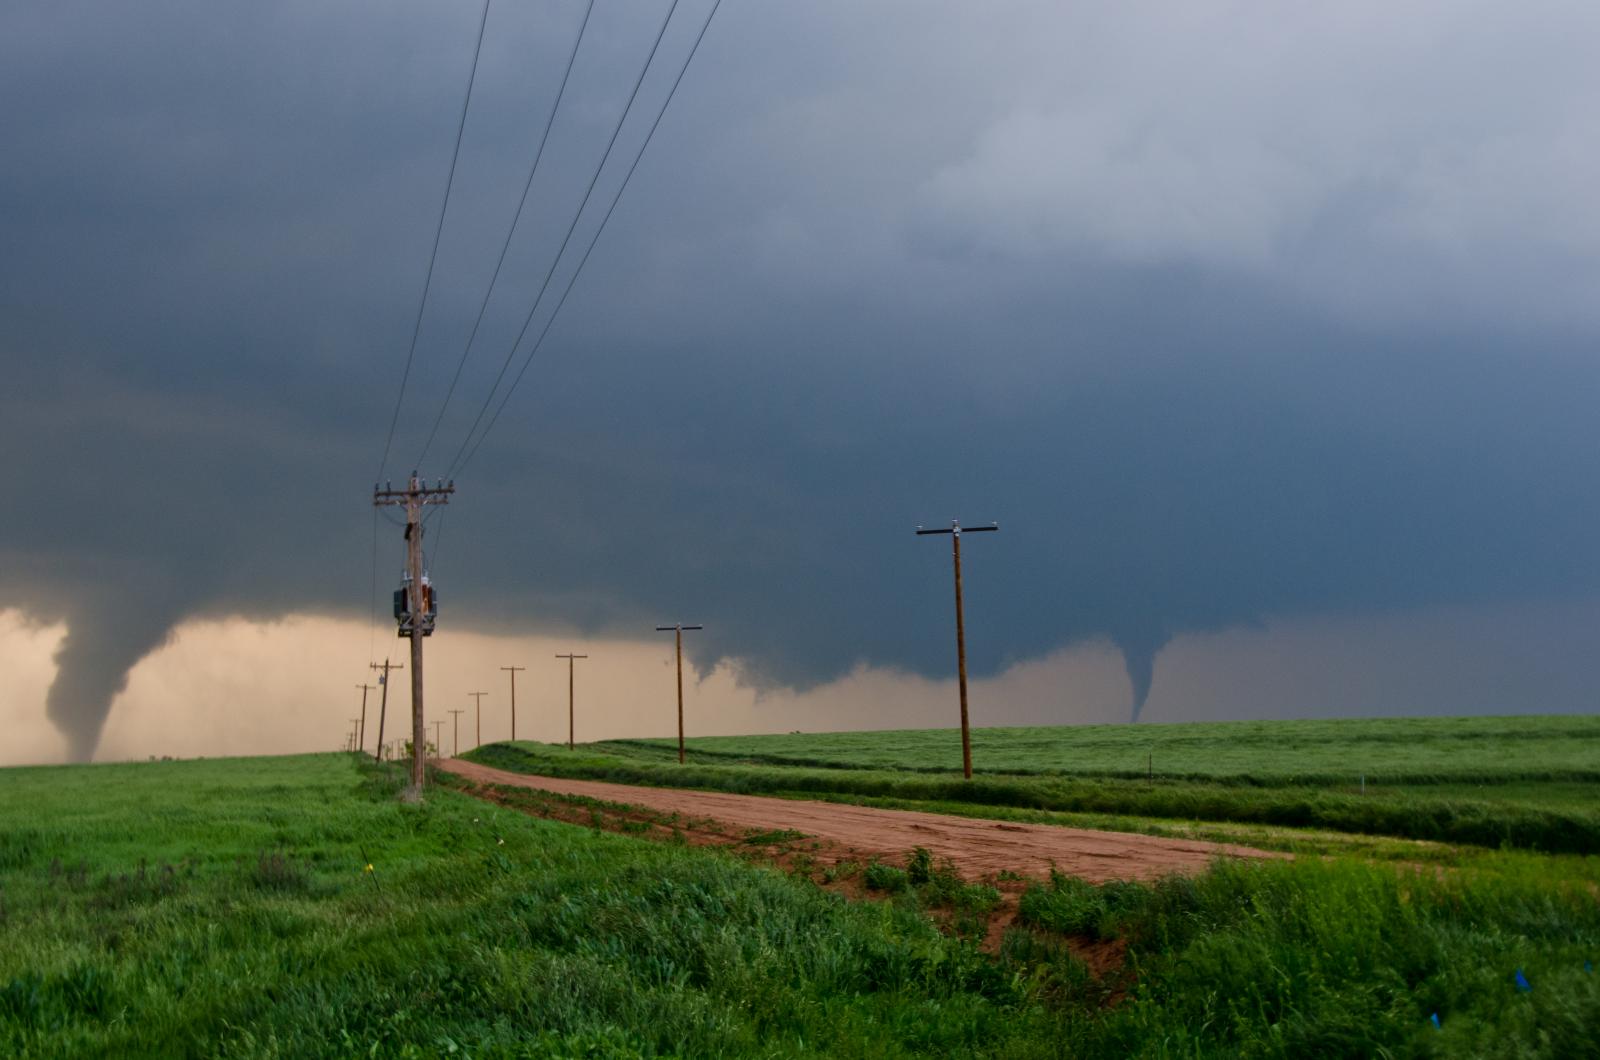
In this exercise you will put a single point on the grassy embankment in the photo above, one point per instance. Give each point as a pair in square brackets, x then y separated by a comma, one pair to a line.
[224, 908]
[1526, 783]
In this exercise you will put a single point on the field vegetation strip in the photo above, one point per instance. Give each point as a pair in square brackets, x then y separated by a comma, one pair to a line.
[1407, 752]
[1565, 822]
[227, 908]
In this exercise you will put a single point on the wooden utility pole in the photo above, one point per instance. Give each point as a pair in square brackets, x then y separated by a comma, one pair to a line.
[383, 700]
[438, 738]
[362, 740]
[353, 730]
[455, 746]
[513, 670]
[569, 657]
[479, 697]
[679, 628]
[954, 531]
[415, 497]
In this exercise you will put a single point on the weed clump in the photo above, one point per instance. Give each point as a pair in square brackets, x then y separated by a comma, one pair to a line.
[842, 870]
[880, 877]
[276, 871]
[934, 886]
[121, 889]
[919, 866]
[42, 1002]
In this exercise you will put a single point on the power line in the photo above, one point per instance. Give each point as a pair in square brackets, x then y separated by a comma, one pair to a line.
[505, 247]
[566, 239]
[478, 698]
[455, 716]
[513, 670]
[678, 628]
[416, 619]
[460, 463]
[361, 742]
[372, 627]
[576, 217]
[430, 556]
[438, 231]
[383, 704]
[955, 530]
[571, 693]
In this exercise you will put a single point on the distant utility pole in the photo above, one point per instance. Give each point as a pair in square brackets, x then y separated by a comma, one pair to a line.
[569, 657]
[679, 628]
[383, 700]
[353, 730]
[513, 670]
[479, 697]
[455, 747]
[438, 738]
[954, 531]
[415, 497]
[365, 688]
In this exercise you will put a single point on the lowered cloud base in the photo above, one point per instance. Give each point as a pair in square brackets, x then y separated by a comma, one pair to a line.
[220, 687]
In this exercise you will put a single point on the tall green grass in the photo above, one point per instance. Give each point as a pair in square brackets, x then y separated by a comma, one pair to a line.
[225, 909]
[1321, 958]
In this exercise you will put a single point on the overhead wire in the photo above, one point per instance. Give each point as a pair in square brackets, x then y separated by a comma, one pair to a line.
[372, 628]
[576, 217]
[422, 303]
[460, 464]
[444, 208]
[460, 461]
[505, 247]
[431, 555]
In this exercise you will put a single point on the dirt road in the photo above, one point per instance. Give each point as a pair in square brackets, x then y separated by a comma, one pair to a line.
[978, 848]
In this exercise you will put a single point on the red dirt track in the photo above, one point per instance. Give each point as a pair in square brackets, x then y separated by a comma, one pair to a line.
[978, 848]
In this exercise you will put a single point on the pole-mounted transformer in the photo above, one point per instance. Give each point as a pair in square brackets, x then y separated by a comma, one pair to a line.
[405, 612]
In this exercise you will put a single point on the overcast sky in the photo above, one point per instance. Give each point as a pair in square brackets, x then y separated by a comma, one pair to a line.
[1238, 317]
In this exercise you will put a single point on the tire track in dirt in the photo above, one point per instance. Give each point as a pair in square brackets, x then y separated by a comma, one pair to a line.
[979, 849]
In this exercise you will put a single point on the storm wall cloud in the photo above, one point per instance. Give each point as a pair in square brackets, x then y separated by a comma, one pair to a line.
[1225, 314]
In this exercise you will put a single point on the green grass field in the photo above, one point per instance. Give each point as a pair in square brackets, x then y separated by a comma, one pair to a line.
[1402, 751]
[226, 908]
[223, 908]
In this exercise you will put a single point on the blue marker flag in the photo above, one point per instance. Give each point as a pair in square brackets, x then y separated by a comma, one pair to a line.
[1588, 966]
[1522, 982]
[1435, 1019]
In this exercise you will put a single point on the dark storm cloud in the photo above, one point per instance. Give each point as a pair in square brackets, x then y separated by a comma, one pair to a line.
[1222, 317]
